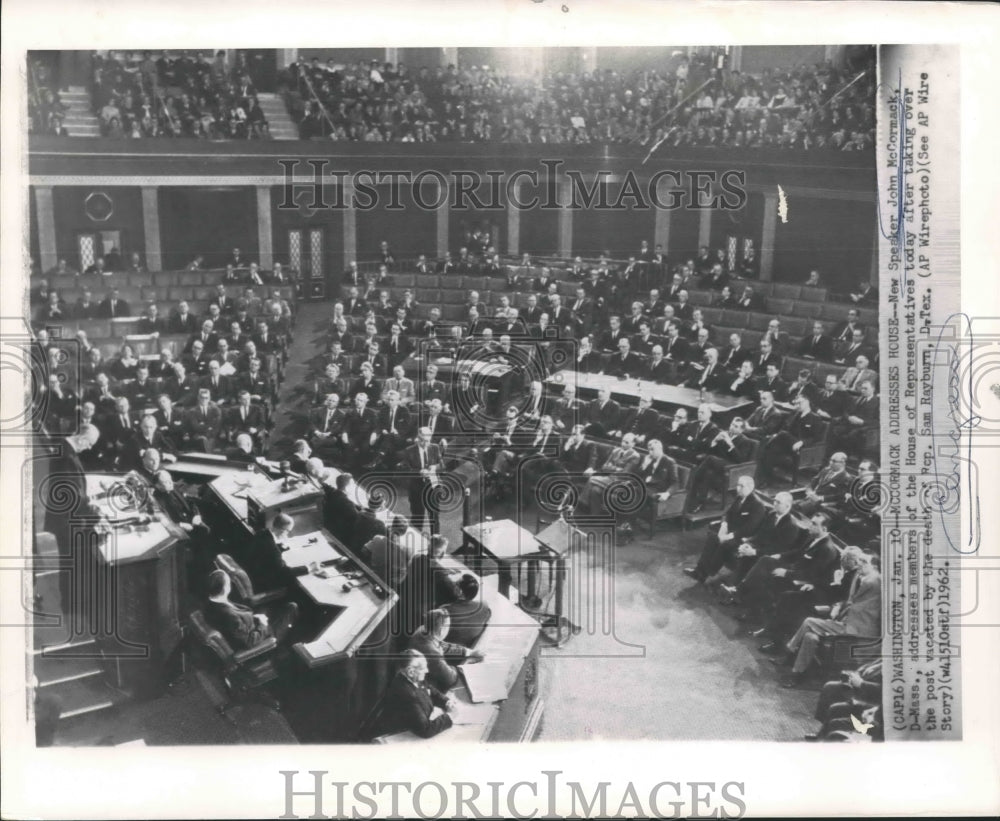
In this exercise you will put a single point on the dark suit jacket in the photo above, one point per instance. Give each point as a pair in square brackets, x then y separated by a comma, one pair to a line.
[744, 517]
[783, 537]
[658, 478]
[468, 621]
[340, 514]
[696, 439]
[208, 424]
[402, 420]
[805, 428]
[359, 427]
[366, 527]
[642, 423]
[716, 380]
[607, 417]
[430, 390]
[677, 350]
[778, 387]
[731, 358]
[121, 309]
[577, 459]
[631, 366]
[234, 421]
[183, 325]
[407, 706]
[821, 349]
[662, 372]
[817, 562]
[769, 421]
[236, 623]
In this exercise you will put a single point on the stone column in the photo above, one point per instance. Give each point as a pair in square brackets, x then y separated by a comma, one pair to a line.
[46, 216]
[768, 231]
[151, 228]
[265, 231]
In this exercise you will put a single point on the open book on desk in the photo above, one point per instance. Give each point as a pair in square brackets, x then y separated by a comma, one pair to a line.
[467, 713]
[487, 681]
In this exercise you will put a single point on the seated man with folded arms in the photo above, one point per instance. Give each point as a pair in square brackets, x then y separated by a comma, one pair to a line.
[442, 656]
[801, 428]
[410, 701]
[239, 625]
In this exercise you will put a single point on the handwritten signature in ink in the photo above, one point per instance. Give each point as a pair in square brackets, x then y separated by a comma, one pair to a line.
[957, 444]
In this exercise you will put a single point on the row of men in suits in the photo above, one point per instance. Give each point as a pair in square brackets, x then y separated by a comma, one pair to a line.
[205, 426]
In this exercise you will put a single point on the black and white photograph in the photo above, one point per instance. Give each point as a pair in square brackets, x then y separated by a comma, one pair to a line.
[491, 396]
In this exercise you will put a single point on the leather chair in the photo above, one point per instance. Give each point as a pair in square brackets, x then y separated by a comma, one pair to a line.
[243, 587]
[242, 672]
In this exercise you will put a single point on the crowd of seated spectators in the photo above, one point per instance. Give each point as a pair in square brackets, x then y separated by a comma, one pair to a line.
[791, 567]
[202, 96]
[212, 391]
[45, 110]
[804, 107]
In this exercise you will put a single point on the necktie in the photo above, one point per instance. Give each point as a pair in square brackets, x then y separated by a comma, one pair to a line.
[124, 421]
[243, 413]
[423, 457]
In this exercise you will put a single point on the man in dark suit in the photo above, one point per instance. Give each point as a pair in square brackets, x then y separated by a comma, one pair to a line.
[367, 384]
[766, 356]
[441, 425]
[658, 368]
[625, 364]
[729, 447]
[114, 306]
[368, 524]
[779, 535]
[182, 321]
[219, 387]
[827, 490]
[340, 513]
[772, 383]
[245, 417]
[410, 701]
[710, 376]
[742, 520]
[238, 624]
[830, 402]
[586, 360]
[803, 427]
[766, 420]
[394, 425]
[360, 430]
[207, 336]
[578, 455]
[785, 543]
[469, 615]
[642, 421]
[610, 338]
[848, 432]
[431, 387]
[61, 468]
[675, 347]
[151, 322]
[261, 556]
[120, 428]
[326, 426]
[843, 332]
[735, 355]
[85, 307]
[203, 423]
[602, 415]
[812, 555]
[146, 437]
[697, 436]
[847, 351]
[817, 345]
[423, 460]
[658, 474]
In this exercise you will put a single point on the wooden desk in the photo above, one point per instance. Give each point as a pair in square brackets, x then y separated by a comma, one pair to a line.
[510, 644]
[139, 568]
[503, 541]
[669, 395]
[252, 499]
[355, 612]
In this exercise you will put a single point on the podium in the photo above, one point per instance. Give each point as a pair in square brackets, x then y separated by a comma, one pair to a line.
[137, 561]
[252, 500]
